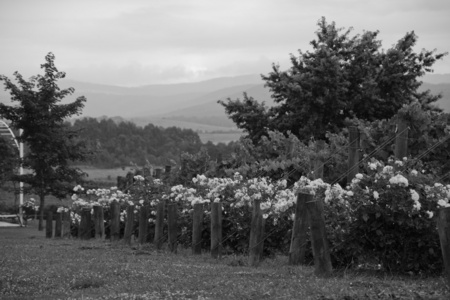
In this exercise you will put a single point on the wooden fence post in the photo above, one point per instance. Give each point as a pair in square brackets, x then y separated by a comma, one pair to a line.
[443, 223]
[216, 229]
[353, 153]
[129, 224]
[143, 226]
[172, 227]
[66, 221]
[85, 224]
[298, 238]
[321, 252]
[114, 226]
[58, 225]
[197, 228]
[99, 222]
[49, 225]
[318, 160]
[254, 250]
[401, 139]
[159, 225]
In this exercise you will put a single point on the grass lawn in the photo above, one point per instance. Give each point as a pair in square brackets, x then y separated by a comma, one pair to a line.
[32, 267]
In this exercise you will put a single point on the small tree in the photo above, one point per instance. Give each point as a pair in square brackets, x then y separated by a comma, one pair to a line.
[51, 145]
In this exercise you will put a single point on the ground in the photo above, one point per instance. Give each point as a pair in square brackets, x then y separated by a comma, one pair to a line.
[33, 267]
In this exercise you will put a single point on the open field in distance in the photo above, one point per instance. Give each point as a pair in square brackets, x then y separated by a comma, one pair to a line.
[216, 138]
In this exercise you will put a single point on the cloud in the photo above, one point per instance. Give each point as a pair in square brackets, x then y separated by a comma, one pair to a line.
[139, 42]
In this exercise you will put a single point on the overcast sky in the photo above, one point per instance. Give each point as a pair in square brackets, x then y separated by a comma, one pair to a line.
[137, 42]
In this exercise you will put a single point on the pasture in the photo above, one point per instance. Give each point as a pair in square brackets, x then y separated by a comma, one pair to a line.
[33, 267]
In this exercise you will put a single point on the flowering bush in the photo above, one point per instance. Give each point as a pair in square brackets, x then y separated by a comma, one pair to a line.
[385, 215]
[392, 208]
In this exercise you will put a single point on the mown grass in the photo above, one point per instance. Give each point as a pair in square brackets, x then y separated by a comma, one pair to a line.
[32, 267]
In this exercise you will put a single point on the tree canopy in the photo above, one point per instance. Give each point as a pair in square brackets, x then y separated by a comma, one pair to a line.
[343, 77]
[51, 145]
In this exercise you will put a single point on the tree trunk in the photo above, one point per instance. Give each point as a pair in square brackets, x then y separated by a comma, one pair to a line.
[41, 212]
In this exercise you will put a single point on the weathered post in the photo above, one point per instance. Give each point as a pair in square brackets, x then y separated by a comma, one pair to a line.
[167, 170]
[158, 172]
[143, 226]
[255, 235]
[353, 153]
[401, 139]
[216, 229]
[443, 224]
[260, 246]
[99, 222]
[49, 225]
[318, 169]
[172, 227]
[298, 238]
[85, 224]
[197, 228]
[129, 225]
[66, 224]
[159, 225]
[115, 221]
[58, 225]
[321, 252]
[318, 160]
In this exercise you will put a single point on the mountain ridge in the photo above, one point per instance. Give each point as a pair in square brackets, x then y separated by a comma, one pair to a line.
[189, 103]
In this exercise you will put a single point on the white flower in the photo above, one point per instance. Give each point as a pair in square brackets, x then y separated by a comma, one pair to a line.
[414, 172]
[415, 198]
[359, 176]
[399, 179]
[387, 169]
[350, 193]
[372, 166]
[399, 163]
[430, 214]
[74, 197]
[265, 216]
[414, 195]
[141, 202]
[376, 195]
[139, 178]
[443, 203]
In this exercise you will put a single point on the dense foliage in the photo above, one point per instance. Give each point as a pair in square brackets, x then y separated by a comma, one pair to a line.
[51, 144]
[343, 77]
[116, 144]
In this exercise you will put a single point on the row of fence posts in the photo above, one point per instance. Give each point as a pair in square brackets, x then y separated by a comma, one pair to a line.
[307, 209]
[309, 214]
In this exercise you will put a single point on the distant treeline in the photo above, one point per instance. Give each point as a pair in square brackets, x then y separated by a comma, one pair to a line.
[117, 144]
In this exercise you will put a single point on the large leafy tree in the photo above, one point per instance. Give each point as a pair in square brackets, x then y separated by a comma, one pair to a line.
[343, 77]
[51, 145]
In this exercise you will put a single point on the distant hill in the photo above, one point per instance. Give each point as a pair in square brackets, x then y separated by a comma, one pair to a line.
[191, 105]
[212, 113]
[436, 78]
[443, 89]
